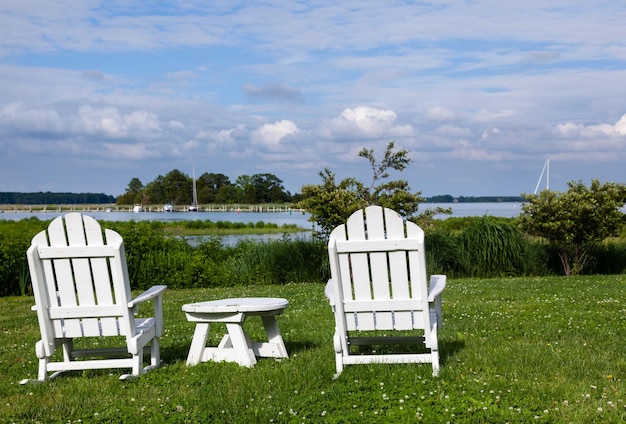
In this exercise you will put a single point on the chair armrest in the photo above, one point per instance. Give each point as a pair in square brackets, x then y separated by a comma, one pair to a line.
[329, 291]
[437, 284]
[151, 293]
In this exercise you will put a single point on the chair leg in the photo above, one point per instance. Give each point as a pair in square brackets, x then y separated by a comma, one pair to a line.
[43, 368]
[434, 350]
[155, 353]
[138, 363]
[435, 360]
[338, 354]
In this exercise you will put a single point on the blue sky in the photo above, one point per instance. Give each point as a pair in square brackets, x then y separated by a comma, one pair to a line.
[481, 92]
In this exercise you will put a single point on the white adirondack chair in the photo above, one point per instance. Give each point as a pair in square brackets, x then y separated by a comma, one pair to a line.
[81, 289]
[378, 282]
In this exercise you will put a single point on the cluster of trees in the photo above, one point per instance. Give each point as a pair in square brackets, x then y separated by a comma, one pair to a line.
[331, 204]
[576, 221]
[177, 188]
[48, 198]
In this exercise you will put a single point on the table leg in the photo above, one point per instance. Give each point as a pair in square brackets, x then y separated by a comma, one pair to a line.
[242, 352]
[276, 345]
[198, 343]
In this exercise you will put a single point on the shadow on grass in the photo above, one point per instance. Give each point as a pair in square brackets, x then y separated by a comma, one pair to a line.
[301, 346]
[173, 353]
[179, 352]
[448, 349]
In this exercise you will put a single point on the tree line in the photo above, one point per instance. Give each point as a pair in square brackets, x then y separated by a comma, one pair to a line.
[176, 188]
[48, 198]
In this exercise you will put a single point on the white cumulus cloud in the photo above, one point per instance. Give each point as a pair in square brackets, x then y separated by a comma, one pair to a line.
[364, 122]
[271, 135]
[570, 129]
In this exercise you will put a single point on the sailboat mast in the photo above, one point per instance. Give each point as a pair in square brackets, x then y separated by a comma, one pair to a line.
[546, 170]
[194, 203]
[195, 200]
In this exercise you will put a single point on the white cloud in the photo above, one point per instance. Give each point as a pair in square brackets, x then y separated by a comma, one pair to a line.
[618, 129]
[271, 135]
[363, 122]
[130, 151]
[602, 131]
[570, 129]
[108, 121]
[27, 119]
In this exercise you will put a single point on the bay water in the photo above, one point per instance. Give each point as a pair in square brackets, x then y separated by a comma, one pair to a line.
[296, 217]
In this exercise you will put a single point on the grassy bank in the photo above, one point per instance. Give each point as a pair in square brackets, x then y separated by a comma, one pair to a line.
[217, 228]
[544, 350]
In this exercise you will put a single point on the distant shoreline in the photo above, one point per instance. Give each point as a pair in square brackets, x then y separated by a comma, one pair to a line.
[104, 207]
[475, 199]
[21, 208]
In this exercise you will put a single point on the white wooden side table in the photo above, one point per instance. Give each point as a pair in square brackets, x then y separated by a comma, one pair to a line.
[236, 345]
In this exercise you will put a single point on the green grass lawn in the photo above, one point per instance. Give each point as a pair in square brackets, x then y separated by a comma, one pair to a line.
[513, 350]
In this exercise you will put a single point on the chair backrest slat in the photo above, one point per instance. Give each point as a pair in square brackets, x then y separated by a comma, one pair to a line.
[79, 271]
[380, 259]
[101, 274]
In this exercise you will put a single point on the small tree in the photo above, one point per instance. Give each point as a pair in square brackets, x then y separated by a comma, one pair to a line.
[134, 193]
[576, 220]
[330, 203]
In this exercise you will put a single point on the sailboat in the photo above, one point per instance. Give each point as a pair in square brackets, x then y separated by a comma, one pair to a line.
[546, 170]
[194, 204]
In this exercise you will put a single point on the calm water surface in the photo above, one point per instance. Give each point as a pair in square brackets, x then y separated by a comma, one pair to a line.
[505, 209]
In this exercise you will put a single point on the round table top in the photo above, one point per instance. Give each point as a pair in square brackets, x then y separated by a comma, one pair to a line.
[240, 304]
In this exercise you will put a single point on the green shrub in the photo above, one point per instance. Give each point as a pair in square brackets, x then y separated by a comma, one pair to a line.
[15, 238]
